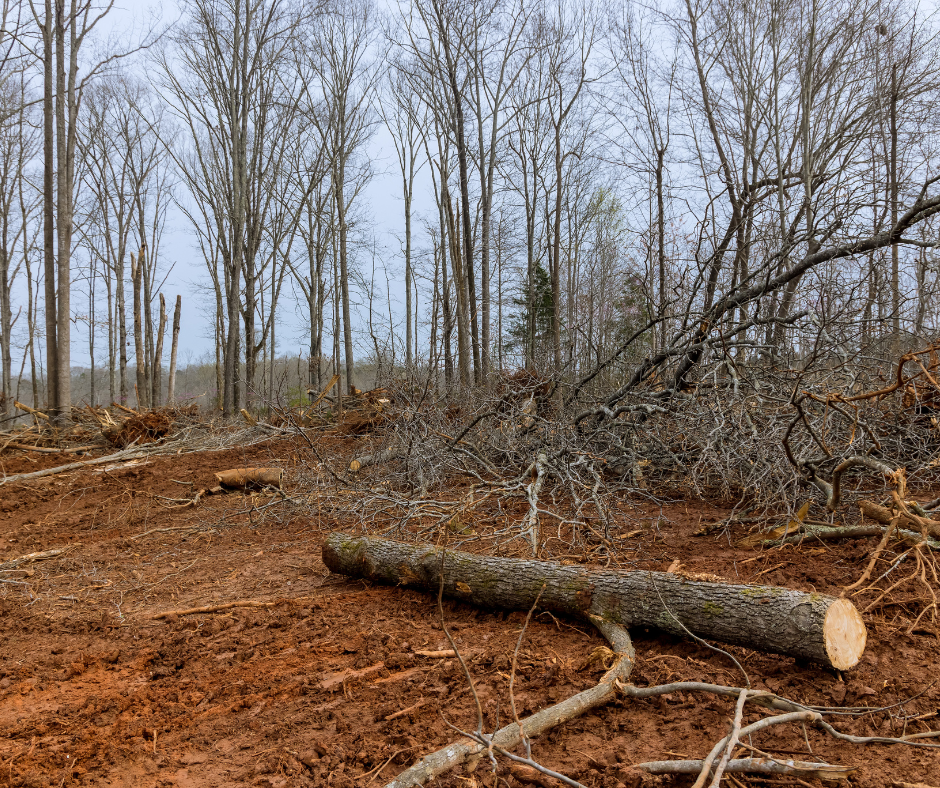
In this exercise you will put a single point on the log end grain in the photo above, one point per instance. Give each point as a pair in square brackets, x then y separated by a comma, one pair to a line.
[844, 633]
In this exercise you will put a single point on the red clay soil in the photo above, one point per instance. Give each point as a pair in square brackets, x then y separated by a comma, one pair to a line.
[323, 687]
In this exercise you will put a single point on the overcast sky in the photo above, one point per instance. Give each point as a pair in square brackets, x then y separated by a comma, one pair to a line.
[381, 205]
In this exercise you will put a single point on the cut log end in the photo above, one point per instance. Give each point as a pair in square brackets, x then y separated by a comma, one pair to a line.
[844, 633]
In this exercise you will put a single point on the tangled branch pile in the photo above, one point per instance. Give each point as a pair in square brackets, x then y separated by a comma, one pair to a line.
[555, 470]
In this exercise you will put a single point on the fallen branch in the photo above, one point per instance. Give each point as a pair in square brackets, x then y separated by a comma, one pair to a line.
[50, 450]
[135, 451]
[510, 736]
[824, 771]
[405, 712]
[881, 514]
[13, 563]
[192, 611]
[826, 533]
[765, 618]
[31, 411]
[333, 381]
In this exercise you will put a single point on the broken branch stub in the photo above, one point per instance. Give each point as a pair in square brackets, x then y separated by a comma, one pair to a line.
[764, 618]
[245, 478]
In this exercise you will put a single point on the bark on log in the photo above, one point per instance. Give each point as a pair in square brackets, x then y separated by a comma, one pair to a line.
[825, 533]
[244, 478]
[882, 515]
[764, 618]
[379, 458]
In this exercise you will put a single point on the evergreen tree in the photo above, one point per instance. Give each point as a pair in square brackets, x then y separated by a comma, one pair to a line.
[521, 325]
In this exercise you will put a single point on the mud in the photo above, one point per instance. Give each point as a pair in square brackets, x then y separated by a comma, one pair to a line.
[323, 687]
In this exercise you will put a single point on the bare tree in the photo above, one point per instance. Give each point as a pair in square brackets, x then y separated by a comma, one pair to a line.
[18, 145]
[404, 119]
[227, 75]
[65, 28]
[346, 64]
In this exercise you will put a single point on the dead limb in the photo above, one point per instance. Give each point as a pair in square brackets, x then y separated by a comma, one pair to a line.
[333, 381]
[50, 450]
[884, 515]
[132, 452]
[512, 735]
[728, 744]
[825, 533]
[531, 522]
[13, 563]
[31, 411]
[187, 528]
[824, 771]
[192, 611]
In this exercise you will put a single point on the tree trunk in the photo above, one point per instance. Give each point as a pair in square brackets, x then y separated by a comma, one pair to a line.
[460, 285]
[467, 251]
[763, 618]
[344, 284]
[661, 244]
[48, 213]
[893, 186]
[63, 210]
[157, 366]
[112, 342]
[121, 318]
[137, 265]
[174, 345]
[409, 336]
[447, 327]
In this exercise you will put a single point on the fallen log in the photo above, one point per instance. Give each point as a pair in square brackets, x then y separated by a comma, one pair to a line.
[825, 533]
[378, 458]
[764, 618]
[880, 514]
[244, 478]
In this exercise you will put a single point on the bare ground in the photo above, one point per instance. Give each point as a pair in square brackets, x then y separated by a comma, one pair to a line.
[323, 686]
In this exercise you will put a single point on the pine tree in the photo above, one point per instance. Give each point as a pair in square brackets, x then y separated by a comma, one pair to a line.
[521, 325]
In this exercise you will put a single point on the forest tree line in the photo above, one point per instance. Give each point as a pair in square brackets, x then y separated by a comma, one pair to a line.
[618, 190]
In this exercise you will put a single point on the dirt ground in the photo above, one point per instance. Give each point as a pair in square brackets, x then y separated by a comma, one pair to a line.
[324, 687]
